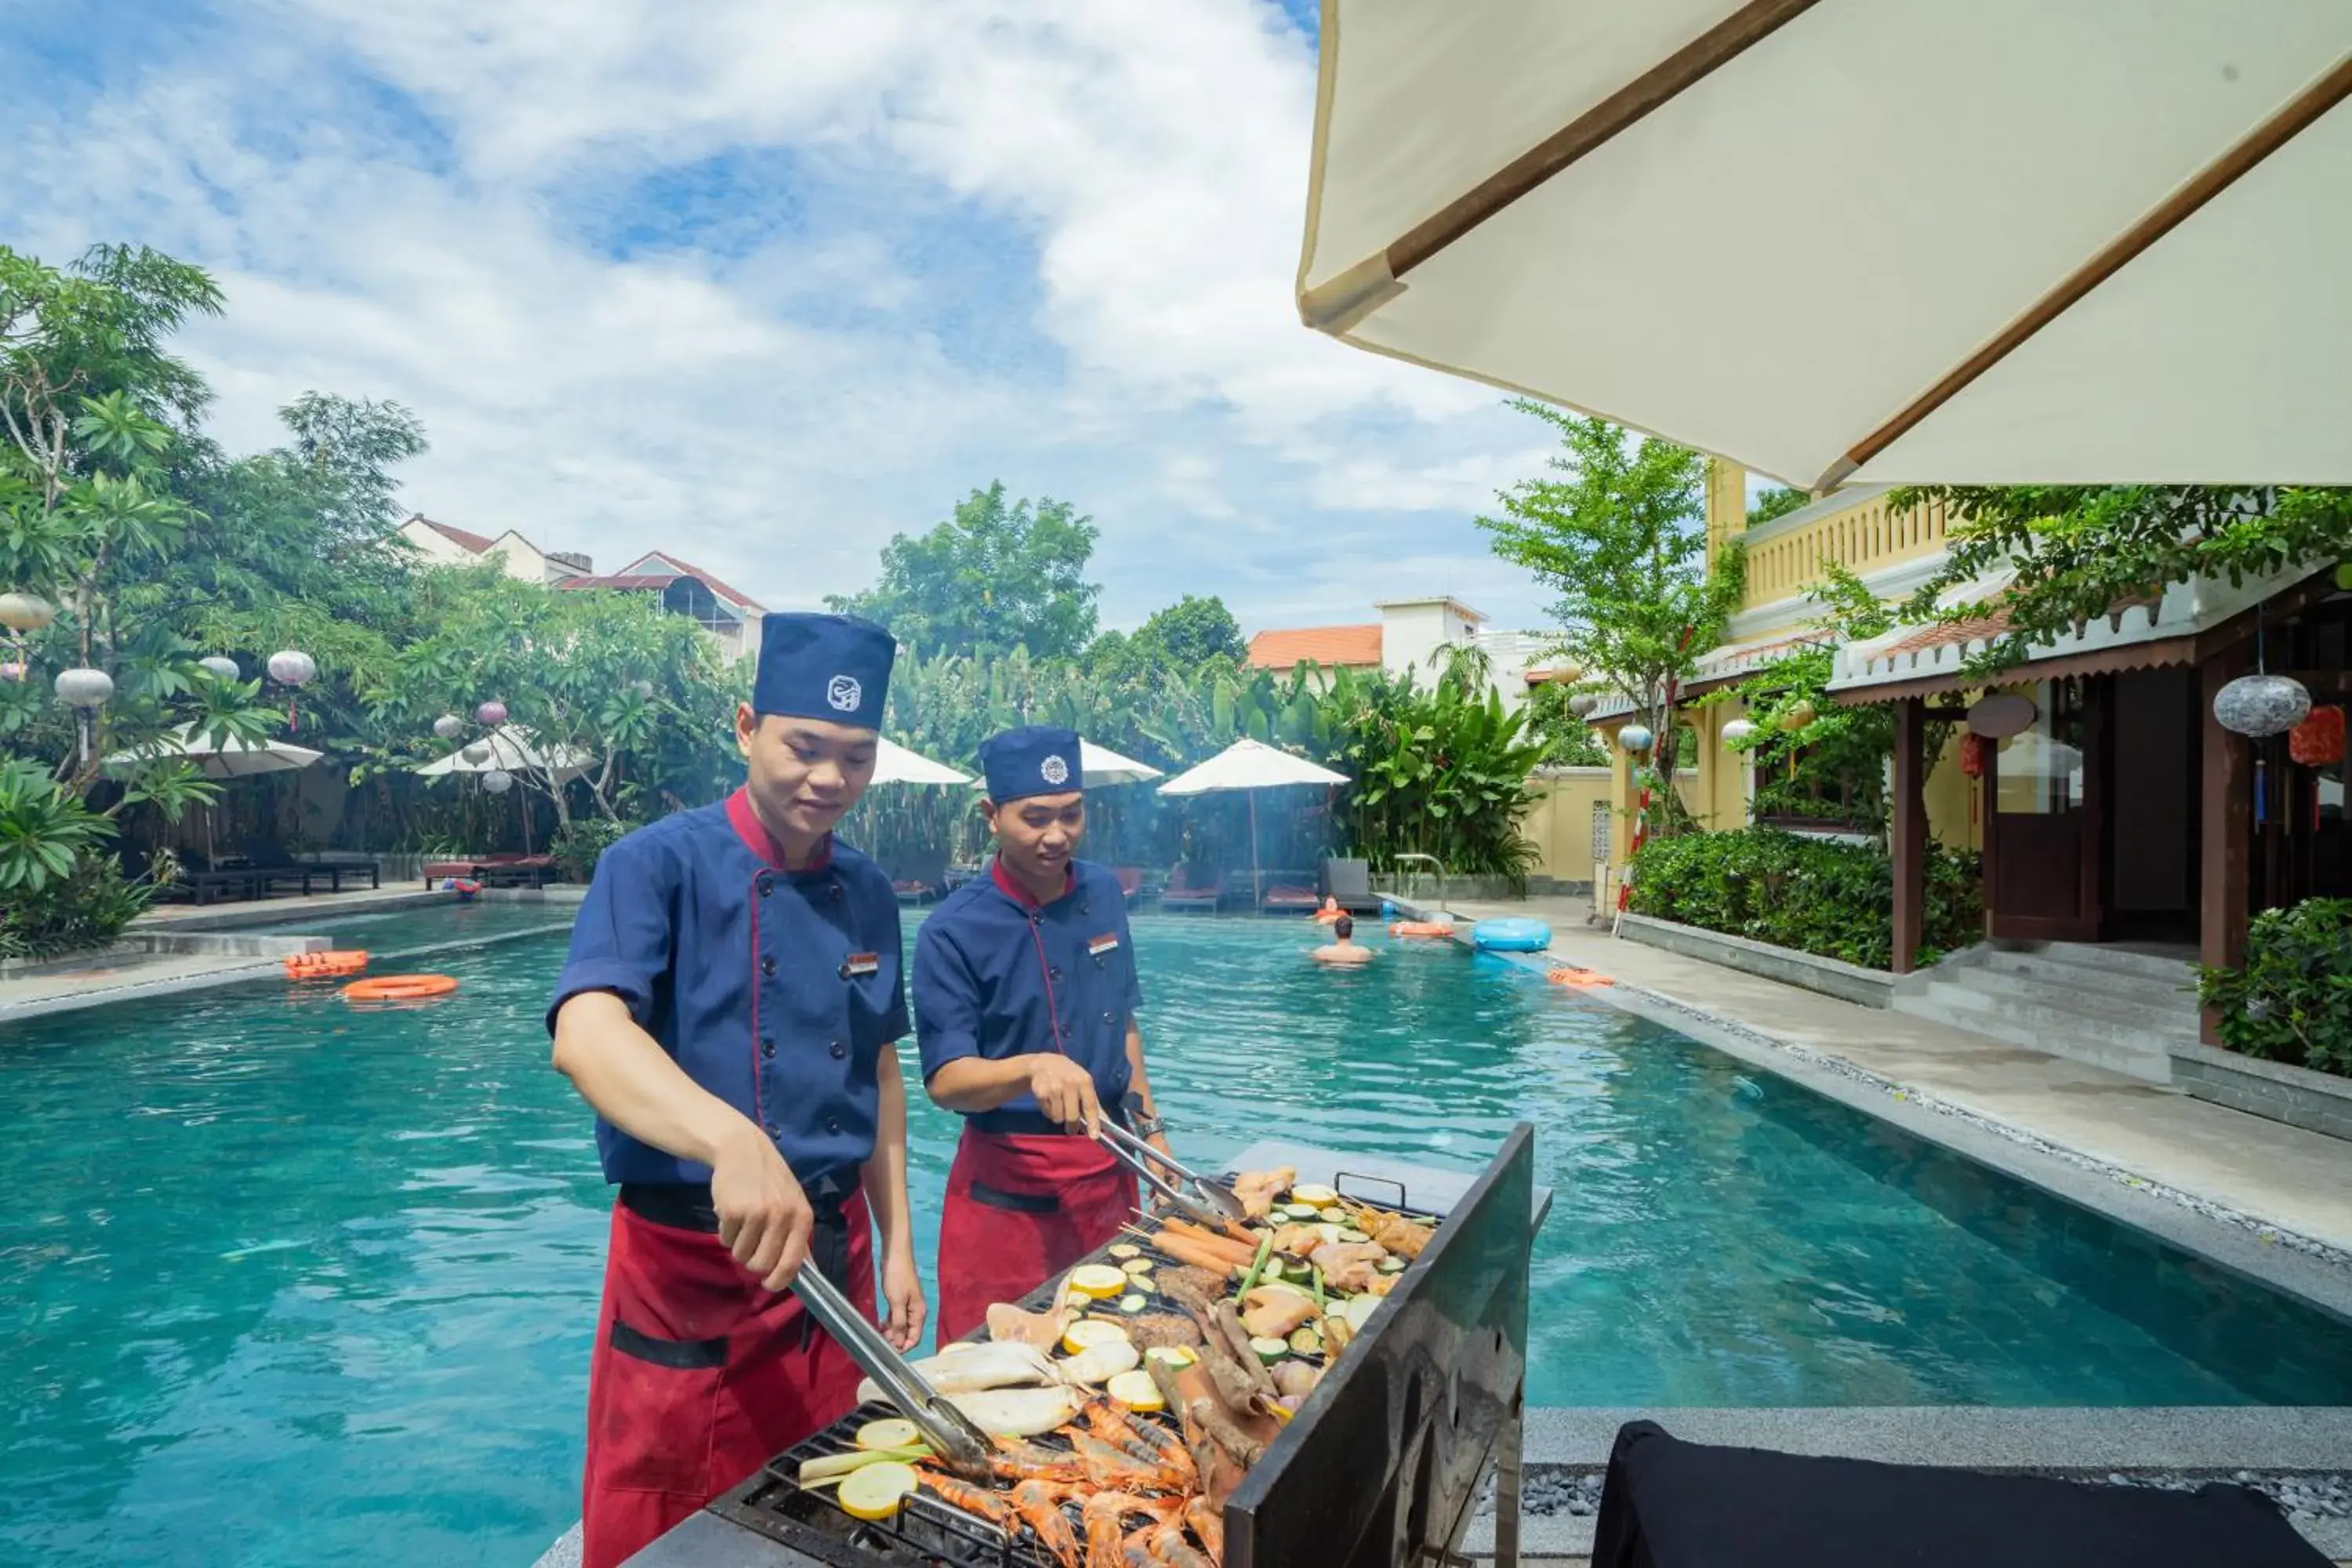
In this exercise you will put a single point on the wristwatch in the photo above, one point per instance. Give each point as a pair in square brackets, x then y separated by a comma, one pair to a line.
[1139, 1121]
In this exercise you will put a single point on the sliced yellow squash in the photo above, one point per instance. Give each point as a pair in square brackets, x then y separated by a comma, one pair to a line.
[1314, 1194]
[1174, 1356]
[875, 1491]
[893, 1433]
[1097, 1281]
[1088, 1333]
[1136, 1391]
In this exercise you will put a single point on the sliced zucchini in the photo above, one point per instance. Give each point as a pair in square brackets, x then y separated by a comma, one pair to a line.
[1306, 1342]
[1301, 1212]
[1353, 1235]
[1137, 1266]
[1269, 1350]
[1125, 1250]
[1133, 1304]
[1360, 1309]
[1392, 1264]
[1335, 1215]
[1176, 1356]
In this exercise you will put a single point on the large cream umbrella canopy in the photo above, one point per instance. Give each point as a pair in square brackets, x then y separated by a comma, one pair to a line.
[894, 763]
[1933, 241]
[1250, 766]
[508, 749]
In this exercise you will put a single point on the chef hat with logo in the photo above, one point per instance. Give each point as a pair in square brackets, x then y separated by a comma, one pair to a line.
[835, 668]
[1036, 759]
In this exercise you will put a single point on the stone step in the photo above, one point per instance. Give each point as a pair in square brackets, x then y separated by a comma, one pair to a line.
[2149, 1009]
[2091, 979]
[2116, 960]
[2125, 1047]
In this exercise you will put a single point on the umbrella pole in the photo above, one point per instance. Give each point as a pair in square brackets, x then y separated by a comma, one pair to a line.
[1257, 894]
[523, 798]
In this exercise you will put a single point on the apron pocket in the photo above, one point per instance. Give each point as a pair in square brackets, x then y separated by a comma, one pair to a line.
[1018, 1202]
[660, 1412]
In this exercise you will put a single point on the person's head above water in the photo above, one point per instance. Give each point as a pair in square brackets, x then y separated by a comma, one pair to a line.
[1343, 928]
[1036, 802]
[811, 731]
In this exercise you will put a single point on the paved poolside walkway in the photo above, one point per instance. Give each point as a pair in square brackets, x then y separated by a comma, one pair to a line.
[2297, 1180]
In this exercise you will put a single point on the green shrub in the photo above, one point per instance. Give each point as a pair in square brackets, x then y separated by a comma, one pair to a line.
[579, 847]
[1831, 900]
[2293, 1000]
[84, 909]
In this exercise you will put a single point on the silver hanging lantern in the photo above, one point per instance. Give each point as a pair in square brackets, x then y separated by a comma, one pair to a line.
[220, 667]
[2002, 715]
[491, 714]
[85, 691]
[1636, 738]
[2260, 705]
[1739, 730]
[292, 668]
[477, 754]
[448, 726]
[1584, 703]
[498, 781]
[22, 612]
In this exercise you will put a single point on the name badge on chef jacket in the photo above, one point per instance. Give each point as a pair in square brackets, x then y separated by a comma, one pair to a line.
[1100, 947]
[857, 965]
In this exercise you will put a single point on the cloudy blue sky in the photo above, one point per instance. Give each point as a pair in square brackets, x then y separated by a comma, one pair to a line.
[762, 283]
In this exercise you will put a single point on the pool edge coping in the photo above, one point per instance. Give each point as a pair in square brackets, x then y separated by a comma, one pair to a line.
[2272, 1255]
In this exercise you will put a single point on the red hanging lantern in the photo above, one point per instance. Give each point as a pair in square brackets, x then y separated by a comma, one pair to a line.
[1974, 749]
[2318, 740]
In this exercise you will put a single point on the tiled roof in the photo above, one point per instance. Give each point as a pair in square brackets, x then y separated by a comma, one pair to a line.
[622, 581]
[1357, 647]
[733, 595]
[473, 542]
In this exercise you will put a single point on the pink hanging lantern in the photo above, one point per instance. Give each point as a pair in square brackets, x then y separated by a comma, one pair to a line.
[491, 714]
[292, 668]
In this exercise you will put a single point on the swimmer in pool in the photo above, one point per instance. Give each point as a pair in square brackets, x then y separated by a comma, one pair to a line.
[1343, 947]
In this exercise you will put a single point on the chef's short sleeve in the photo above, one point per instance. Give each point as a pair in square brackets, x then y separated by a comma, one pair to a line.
[624, 939]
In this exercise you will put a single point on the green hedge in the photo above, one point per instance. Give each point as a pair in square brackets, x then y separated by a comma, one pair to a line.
[2293, 1000]
[74, 913]
[1836, 900]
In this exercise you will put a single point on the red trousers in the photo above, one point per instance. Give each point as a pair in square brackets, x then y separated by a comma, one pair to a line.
[1021, 1208]
[701, 1375]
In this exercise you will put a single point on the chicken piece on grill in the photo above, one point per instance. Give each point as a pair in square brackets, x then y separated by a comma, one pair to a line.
[1401, 1235]
[1350, 1266]
[1258, 1189]
[1273, 1312]
[1297, 1240]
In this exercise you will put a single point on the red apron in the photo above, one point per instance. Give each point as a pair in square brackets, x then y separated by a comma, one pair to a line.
[700, 1376]
[1022, 1207]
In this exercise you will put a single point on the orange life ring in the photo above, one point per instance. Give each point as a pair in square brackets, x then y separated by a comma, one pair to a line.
[1421, 927]
[1329, 912]
[1582, 979]
[399, 988]
[325, 965]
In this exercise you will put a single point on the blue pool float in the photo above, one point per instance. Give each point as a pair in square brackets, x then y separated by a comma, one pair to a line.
[1511, 934]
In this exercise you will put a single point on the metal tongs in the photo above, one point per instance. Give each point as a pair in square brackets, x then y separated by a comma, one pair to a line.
[953, 1436]
[1217, 1203]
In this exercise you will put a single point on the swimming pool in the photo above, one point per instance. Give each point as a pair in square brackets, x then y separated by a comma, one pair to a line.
[284, 1283]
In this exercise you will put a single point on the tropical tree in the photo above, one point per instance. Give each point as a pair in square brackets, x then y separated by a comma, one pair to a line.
[1779, 501]
[2071, 554]
[995, 576]
[1190, 631]
[1617, 528]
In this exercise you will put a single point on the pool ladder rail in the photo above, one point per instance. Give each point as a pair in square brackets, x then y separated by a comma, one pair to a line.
[1416, 857]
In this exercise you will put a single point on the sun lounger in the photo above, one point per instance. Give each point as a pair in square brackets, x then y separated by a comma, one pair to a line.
[1191, 886]
[1292, 897]
[1130, 880]
[504, 871]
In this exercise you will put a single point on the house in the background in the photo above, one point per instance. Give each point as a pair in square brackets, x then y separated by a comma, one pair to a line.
[447, 546]
[1411, 636]
[731, 617]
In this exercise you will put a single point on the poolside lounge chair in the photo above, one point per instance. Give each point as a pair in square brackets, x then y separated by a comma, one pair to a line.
[1130, 880]
[1290, 896]
[1350, 882]
[507, 870]
[1191, 886]
[919, 878]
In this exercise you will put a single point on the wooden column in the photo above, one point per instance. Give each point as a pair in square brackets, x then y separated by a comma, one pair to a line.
[1910, 831]
[2225, 834]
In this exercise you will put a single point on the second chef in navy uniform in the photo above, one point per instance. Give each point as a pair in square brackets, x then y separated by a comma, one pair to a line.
[1025, 998]
[729, 1008]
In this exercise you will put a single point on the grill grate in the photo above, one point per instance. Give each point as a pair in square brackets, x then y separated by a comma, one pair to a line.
[925, 1531]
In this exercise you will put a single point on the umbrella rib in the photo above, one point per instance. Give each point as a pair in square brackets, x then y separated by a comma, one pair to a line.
[2298, 113]
[1620, 111]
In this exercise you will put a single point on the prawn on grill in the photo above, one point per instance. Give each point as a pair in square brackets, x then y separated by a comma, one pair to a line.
[1168, 1546]
[974, 1501]
[1208, 1522]
[1115, 1470]
[1147, 1440]
[1040, 1507]
[1105, 1516]
[1014, 1461]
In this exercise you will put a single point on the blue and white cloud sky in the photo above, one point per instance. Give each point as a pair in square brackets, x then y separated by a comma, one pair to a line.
[762, 282]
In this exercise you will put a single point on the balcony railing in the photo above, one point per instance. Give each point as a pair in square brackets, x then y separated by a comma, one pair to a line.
[1788, 554]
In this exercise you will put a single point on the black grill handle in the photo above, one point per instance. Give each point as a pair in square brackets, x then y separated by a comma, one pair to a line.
[1339, 1180]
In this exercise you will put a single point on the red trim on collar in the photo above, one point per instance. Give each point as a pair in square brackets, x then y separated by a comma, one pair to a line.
[1021, 895]
[756, 839]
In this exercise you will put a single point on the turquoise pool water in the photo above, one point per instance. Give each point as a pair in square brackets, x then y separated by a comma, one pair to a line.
[282, 1283]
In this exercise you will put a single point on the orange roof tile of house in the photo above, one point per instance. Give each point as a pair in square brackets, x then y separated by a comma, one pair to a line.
[1354, 646]
[686, 568]
[457, 536]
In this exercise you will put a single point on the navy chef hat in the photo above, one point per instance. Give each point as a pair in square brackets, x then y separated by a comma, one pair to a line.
[1036, 759]
[835, 668]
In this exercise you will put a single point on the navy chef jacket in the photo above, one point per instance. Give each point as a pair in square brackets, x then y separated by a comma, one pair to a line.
[775, 990]
[998, 975]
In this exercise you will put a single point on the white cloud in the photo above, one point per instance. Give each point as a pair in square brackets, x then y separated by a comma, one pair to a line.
[1136, 175]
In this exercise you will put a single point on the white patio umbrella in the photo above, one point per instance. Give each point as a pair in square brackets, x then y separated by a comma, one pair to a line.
[236, 758]
[1101, 765]
[1250, 766]
[511, 749]
[894, 763]
[2001, 241]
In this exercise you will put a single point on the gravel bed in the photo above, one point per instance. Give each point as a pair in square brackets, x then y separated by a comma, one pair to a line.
[1550, 1490]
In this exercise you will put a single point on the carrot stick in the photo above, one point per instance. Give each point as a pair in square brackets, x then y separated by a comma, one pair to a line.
[1197, 1256]
[1243, 1251]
